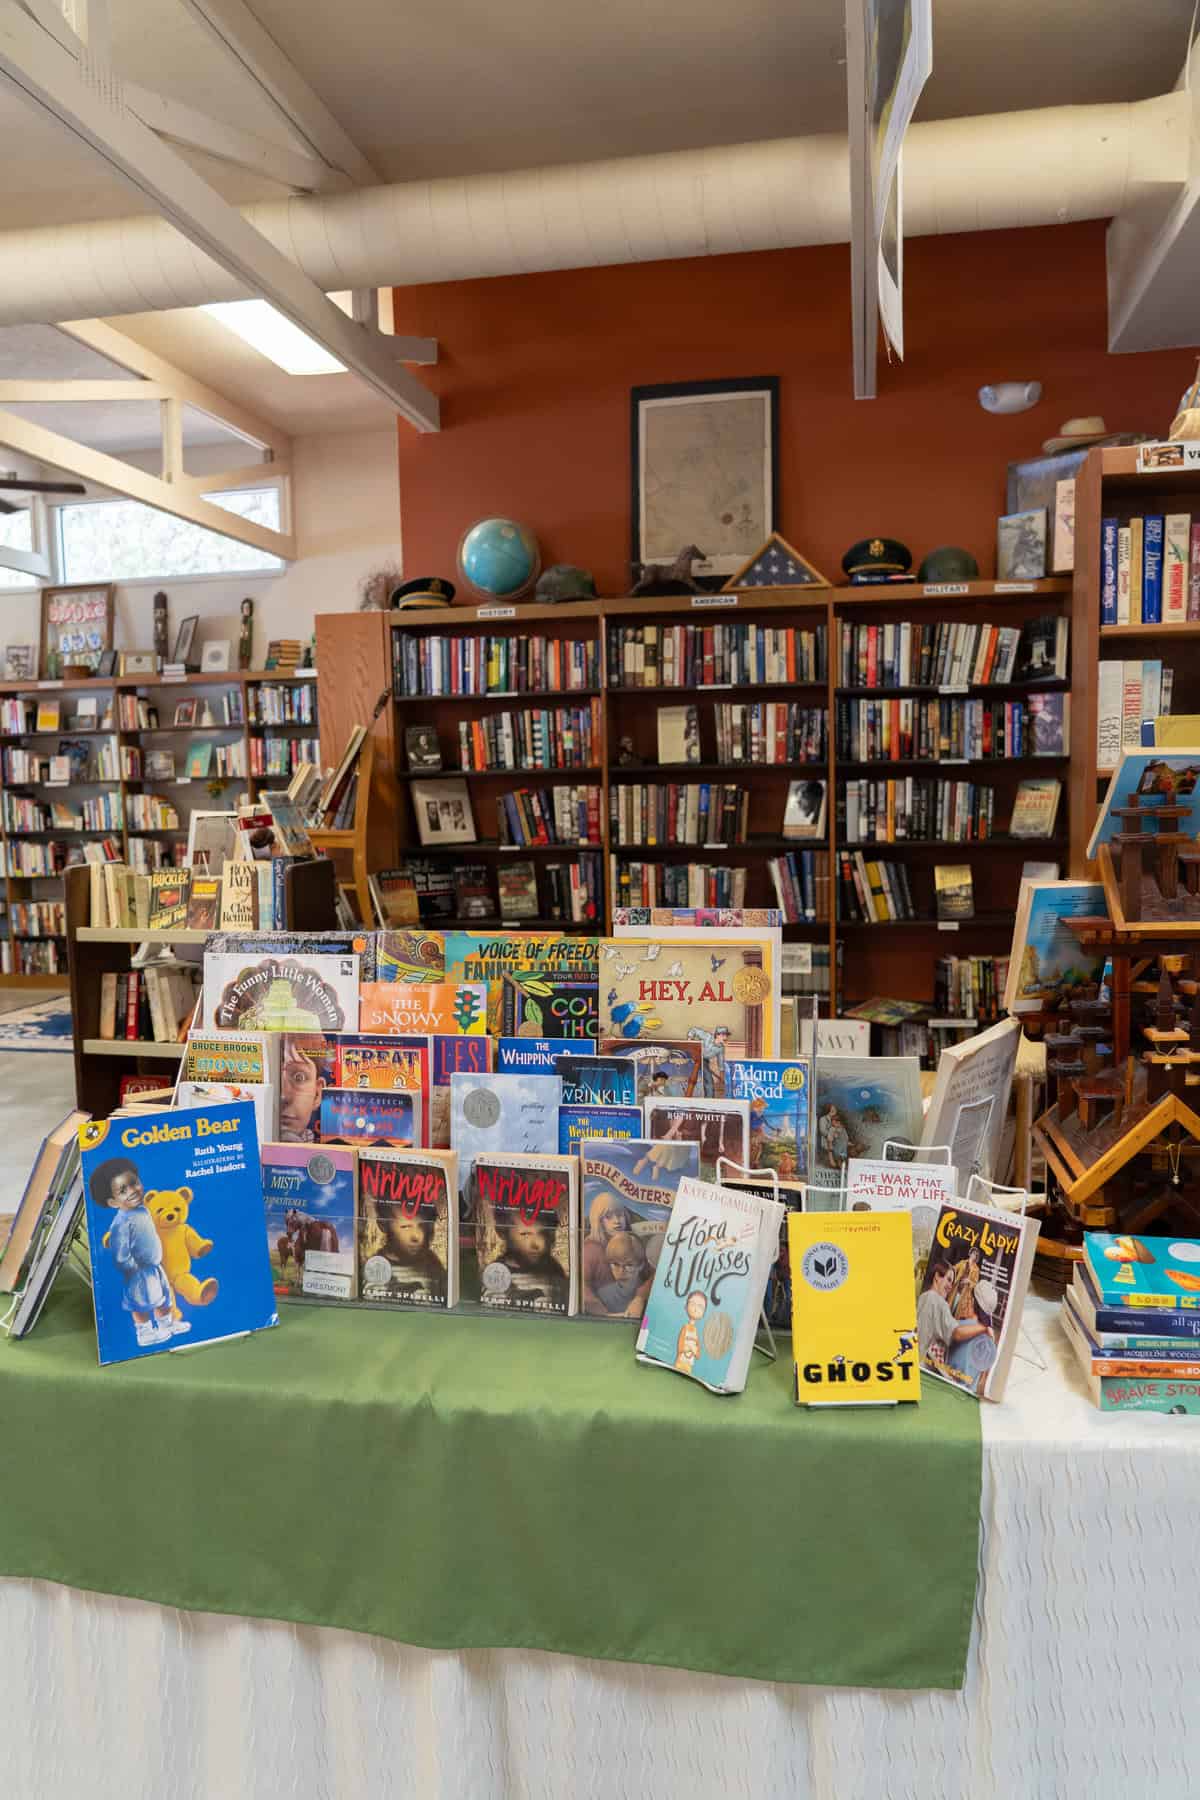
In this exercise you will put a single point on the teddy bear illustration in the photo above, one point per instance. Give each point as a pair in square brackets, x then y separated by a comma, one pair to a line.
[180, 1243]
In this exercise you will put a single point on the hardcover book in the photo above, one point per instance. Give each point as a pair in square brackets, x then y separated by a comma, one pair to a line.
[1050, 723]
[539, 1056]
[528, 1231]
[448, 1007]
[1150, 778]
[1116, 1326]
[169, 899]
[191, 1094]
[717, 992]
[557, 1008]
[778, 1095]
[707, 1295]
[381, 1063]
[516, 890]
[862, 1104]
[57, 1154]
[804, 810]
[721, 1128]
[1141, 1272]
[451, 1056]
[954, 891]
[854, 1323]
[596, 1080]
[666, 1067]
[877, 1184]
[422, 748]
[678, 734]
[1046, 957]
[175, 1230]
[578, 1122]
[304, 992]
[531, 958]
[238, 884]
[408, 1227]
[1180, 1362]
[361, 1116]
[1122, 1393]
[970, 1303]
[231, 1056]
[1035, 808]
[629, 1188]
[408, 956]
[204, 902]
[308, 1192]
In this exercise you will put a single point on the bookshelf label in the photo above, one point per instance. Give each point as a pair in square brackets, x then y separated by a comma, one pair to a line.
[797, 960]
[714, 599]
[1014, 587]
[495, 612]
[182, 677]
[1181, 455]
[49, 684]
[954, 687]
[946, 587]
[947, 924]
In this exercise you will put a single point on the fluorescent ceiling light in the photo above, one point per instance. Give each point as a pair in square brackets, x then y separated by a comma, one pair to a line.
[258, 324]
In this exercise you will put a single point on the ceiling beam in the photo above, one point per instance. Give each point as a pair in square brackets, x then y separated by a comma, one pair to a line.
[27, 393]
[194, 130]
[26, 562]
[35, 66]
[239, 33]
[101, 470]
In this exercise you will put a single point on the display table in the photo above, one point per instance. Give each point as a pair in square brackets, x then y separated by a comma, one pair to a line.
[1084, 1645]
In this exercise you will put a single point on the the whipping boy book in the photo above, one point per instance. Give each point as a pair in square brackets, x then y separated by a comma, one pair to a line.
[707, 1297]
[408, 1227]
[175, 1229]
[527, 1232]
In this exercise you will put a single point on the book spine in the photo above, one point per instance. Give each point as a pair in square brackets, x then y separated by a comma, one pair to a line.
[1153, 529]
[1193, 605]
[1123, 572]
[1177, 529]
[1108, 571]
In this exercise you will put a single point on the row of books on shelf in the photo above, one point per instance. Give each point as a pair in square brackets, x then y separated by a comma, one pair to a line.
[909, 1028]
[561, 737]
[970, 987]
[801, 883]
[1131, 696]
[274, 703]
[488, 665]
[154, 1004]
[32, 956]
[917, 808]
[718, 655]
[686, 813]
[37, 918]
[557, 815]
[225, 708]
[31, 718]
[942, 730]
[873, 891]
[428, 891]
[245, 894]
[34, 861]
[76, 760]
[678, 884]
[1150, 570]
[924, 654]
[276, 755]
[771, 731]
[102, 812]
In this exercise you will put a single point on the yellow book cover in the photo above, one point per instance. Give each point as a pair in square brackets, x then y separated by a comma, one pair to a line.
[854, 1308]
[1136, 535]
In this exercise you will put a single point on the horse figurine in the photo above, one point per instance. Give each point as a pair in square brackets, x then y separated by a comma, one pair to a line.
[669, 578]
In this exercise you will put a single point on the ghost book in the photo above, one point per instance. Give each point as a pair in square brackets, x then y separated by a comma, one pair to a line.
[527, 1232]
[175, 1229]
[408, 1227]
[308, 1193]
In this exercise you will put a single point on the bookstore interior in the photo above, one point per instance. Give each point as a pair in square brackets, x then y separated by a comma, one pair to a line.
[533, 859]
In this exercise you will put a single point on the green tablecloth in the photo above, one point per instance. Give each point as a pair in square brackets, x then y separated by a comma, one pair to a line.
[467, 1482]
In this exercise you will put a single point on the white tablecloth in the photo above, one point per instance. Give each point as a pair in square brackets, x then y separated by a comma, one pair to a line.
[1081, 1679]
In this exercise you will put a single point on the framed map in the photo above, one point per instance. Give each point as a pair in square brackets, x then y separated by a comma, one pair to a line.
[704, 470]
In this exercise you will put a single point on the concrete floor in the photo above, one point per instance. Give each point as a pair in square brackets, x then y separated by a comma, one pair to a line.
[37, 1089]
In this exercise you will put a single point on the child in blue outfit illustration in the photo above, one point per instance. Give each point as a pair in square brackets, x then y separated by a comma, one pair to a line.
[137, 1252]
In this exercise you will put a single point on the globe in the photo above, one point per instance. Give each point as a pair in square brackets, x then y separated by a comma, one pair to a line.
[499, 558]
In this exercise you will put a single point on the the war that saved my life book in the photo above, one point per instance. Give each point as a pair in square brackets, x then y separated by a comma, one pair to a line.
[408, 1227]
[628, 1189]
[707, 1296]
[854, 1315]
[308, 1192]
[527, 1232]
[175, 1229]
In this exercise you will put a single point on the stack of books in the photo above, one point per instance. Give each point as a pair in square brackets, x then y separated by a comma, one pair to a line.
[1132, 1314]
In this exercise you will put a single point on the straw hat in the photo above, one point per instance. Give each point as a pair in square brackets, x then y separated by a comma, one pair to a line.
[1076, 434]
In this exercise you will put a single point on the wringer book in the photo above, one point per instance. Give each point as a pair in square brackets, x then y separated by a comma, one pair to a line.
[408, 1227]
[527, 1232]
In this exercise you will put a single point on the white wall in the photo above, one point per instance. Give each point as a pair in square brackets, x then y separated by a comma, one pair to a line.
[346, 510]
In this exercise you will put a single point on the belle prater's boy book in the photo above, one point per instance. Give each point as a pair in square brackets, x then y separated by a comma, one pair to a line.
[408, 1227]
[854, 1312]
[597, 1080]
[628, 1190]
[707, 1296]
[578, 1122]
[779, 1094]
[175, 1230]
[969, 1306]
[308, 1192]
[527, 1232]
[720, 1127]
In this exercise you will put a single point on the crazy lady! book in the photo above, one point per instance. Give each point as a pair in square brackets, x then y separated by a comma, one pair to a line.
[175, 1229]
[707, 1297]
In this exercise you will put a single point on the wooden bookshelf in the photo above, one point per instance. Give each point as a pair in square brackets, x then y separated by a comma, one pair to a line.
[163, 692]
[355, 654]
[1109, 486]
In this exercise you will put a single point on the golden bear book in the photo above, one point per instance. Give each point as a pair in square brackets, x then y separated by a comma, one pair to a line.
[854, 1310]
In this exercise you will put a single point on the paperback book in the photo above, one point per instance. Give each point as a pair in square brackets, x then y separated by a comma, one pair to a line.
[969, 1104]
[192, 1094]
[629, 1188]
[863, 1103]
[43, 1192]
[498, 1113]
[921, 1189]
[362, 1116]
[669, 1068]
[1115, 1327]
[1141, 1272]
[721, 1129]
[408, 1227]
[970, 1303]
[854, 1324]
[308, 1193]
[1125, 1393]
[304, 992]
[707, 1295]
[539, 1056]
[597, 1080]
[778, 1094]
[448, 1007]
[578, 1122]
[175, 1233]
[551, 1006]
[452, 1056]
[1047, 958]
[527, 1231]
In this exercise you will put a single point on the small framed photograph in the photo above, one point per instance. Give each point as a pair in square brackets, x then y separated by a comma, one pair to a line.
[214, 657]
[804, 813]
[185, 637]
[139, 662]
[185, 712]
[1021, 545]
[212, 840]
[443, 812]
[20, 662]
[160, 765]
[107, 663]
[421, 747]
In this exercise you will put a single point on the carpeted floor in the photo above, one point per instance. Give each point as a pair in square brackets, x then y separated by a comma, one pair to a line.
[38, 1024]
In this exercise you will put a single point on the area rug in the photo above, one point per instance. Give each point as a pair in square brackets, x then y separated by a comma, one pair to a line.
[46, 1026]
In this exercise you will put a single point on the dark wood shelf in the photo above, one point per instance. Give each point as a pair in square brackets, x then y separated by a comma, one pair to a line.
[529, 697]
[66, 832]
[69, 731]
[593, 927]
[619, 690]
[957, 690]
[188, 730]
[950, 762]
[636, 771]
[1001, 841]
[493, 847]
[753, 846]
[495, 774]
[981, 922]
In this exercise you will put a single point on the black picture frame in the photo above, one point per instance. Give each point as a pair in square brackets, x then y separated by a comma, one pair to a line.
[768, 387]
[107, 665]
[185, 637]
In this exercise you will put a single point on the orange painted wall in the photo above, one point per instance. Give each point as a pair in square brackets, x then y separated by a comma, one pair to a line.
[536, 372]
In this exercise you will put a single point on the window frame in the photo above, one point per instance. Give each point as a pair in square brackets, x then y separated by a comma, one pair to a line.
[57, 558]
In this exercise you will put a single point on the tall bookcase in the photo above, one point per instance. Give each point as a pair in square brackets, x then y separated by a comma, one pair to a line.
[260, 695]
[896, 960]
[1109, 486]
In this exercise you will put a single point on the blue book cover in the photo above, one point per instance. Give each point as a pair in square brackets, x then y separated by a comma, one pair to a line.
[629, 1188]
[1141, 1272]
[1117, 1326]
[1047, 956]
[536, 1056]
[778, 1093]
[1153, 778]
[368, 1116]
[1108, 571]
[597, 1080]
[578, 1122]
[175, 1230]
[1152, 561]
[308, 1195]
